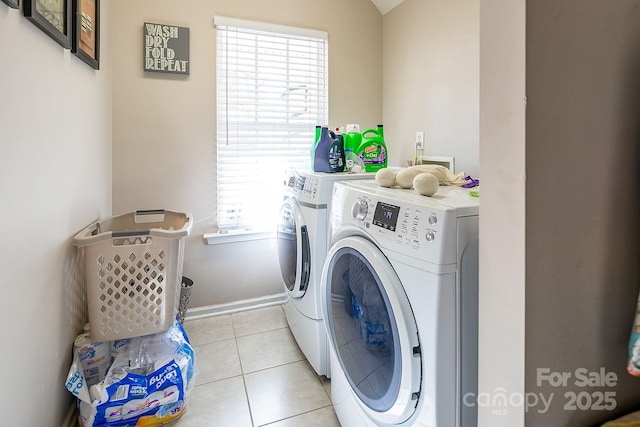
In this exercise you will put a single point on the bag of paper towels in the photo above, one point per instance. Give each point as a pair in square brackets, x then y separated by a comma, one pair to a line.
[146, 384]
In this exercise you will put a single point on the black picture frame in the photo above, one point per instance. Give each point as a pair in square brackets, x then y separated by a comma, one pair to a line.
[54, 21]
[86, 31]
[15, 4]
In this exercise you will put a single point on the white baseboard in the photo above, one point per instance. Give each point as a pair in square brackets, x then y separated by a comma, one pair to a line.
[234, 307]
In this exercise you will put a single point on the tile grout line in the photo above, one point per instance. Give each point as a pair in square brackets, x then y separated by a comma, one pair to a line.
[294, 416]
[244, 384]
[262, 332]
[244, 381]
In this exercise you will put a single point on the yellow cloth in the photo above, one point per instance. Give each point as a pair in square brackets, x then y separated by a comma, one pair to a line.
[629, 420]
[621, 424]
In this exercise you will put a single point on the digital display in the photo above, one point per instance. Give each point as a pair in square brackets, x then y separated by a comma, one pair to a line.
[386, 216]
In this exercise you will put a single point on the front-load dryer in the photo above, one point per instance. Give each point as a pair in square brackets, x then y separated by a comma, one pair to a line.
[400, 301]
[302, 246]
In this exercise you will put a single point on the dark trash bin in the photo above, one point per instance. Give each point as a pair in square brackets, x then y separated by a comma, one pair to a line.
[185, 294]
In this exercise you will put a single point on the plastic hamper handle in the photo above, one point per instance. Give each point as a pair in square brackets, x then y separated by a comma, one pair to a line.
[135, 233]
[150, 211]
[148, 216]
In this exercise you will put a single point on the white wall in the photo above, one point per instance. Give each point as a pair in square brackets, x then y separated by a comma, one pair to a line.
[502, 211]
[431, 80]
[456, 70]
[55, 178]
[164, 126]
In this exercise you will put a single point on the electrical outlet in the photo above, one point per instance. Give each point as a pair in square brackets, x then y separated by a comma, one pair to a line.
[420, 140]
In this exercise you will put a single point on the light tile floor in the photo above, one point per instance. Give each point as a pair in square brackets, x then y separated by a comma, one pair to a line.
[252, 373]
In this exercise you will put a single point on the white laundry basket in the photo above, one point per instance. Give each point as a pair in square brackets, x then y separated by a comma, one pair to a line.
[133, 271]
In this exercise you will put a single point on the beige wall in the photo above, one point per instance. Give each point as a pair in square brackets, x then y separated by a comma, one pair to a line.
[563, 76]
[431, 80]
[55, 178]
[164, 126]
[583, 214]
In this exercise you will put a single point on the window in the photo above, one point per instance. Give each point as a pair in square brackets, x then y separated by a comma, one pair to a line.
[271, 93]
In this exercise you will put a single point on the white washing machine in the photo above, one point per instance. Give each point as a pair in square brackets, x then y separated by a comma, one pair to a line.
[400, 301]
[302, 246]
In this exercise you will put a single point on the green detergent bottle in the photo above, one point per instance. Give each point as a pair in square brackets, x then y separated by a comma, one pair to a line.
[372, 149]
[312, 150]
[336, 153]
[352, 141]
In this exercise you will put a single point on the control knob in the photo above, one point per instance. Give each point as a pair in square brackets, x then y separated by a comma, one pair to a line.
[359, 209]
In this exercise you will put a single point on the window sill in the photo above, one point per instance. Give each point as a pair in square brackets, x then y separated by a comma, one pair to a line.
[235, 236]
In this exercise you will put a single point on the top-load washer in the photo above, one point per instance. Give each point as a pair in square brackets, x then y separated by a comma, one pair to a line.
[302, 246]
[400, 302]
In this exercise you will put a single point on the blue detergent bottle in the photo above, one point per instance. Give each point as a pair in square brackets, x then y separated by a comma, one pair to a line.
[328, 155]
[321, 151]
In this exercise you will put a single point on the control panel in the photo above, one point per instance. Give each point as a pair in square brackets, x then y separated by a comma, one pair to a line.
[308, 188]
[314, 189]
[422, 231]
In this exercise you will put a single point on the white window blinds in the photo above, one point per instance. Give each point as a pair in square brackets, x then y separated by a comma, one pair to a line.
[271, 93]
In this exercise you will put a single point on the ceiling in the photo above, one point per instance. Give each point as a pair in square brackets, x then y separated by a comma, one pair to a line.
[386, 5]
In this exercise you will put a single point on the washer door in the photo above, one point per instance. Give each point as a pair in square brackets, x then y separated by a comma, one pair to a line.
[293, 249]
[372, 328]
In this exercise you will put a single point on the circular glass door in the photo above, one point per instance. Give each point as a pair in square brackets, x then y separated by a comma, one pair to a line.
[372, 329]
[293, 249]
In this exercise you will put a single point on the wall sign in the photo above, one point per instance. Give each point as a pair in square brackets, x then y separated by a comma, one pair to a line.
[166, 48]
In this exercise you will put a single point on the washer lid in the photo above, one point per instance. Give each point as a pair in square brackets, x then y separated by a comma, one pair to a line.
[372, 330]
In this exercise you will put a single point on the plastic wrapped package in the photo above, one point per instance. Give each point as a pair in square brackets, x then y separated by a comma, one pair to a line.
[633, 366]
[146, 385]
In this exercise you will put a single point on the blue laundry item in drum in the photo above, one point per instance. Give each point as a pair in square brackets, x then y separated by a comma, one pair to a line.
[375, 336]
[373, 326]
[348, 295]
[356, 310]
